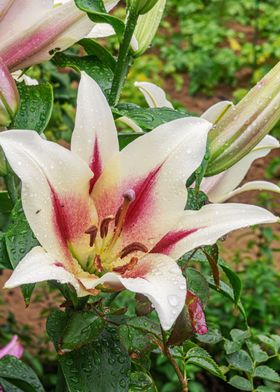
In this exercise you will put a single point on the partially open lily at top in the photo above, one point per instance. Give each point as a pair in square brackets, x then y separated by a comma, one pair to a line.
[32, 31]
[110, 220]
[225, 184]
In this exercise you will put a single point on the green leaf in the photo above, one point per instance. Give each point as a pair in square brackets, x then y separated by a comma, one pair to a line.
[92, 47]
[195, 200]
[241, 360]
[100, 72]
[212, 255]
[200, 357]
[81, 328]
[267, 373]
[147, 118]
[17, 373]
[97, 13]
[276, 339]
[146, 325]
[213, 336]
[234, 280]
[126, 137]
[267, 341]
[4, 257]
[227, 291]
[8, 386]
[256, 352]
[6, 204]
[241, 383]
[238, 335]
[197, 283]
[265, 389]
[232, 347]
[36, 104]
[55, 325]
[19, 240]
[140, 381]
[100, 366]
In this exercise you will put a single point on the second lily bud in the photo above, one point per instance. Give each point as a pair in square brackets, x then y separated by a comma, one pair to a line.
[240, 128]
[141, 6]
[9, 97]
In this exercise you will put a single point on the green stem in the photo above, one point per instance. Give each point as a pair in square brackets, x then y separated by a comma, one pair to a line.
[124, 58]
[11, 187]
[182, 379]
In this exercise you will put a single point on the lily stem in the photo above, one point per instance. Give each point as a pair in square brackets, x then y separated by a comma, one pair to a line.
[124, 58]
[182, 379]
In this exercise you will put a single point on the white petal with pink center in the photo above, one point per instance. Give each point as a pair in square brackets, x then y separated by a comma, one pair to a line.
[148, 166]
[55, 190]
[206, 226]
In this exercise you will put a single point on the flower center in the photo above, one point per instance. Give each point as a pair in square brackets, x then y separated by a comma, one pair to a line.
[105, 243]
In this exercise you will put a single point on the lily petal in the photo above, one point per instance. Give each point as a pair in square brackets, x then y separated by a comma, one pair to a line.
[101, 30]
[13, 348]
[95, 135]
[206, 226]
[55, 190]
[219, 188]
[155, 166]
[215, 112]
[39, 266]
[157, 277]
[60, 28]
[19, 15]
[252, 186]
[154, 95]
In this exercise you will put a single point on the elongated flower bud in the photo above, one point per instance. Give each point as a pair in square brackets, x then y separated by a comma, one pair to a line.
[147, 26]
[9, 97]
[141, 7]
[242, 127]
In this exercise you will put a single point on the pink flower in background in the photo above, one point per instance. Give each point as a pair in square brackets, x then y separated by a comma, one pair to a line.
[13, 348]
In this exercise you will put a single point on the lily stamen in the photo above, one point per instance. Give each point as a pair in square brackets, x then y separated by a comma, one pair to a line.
[127, 267]
[92, 231]
[104, 227]
[98, 264]
[134, 247]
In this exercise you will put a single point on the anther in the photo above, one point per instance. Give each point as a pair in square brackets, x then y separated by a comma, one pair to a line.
[134, 247]
[105, 226]
[92, 231]
[98, 264]
[127, 267]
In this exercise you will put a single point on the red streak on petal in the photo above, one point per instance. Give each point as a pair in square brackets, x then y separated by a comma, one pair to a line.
[58, 264]
[71, 217]
[95, 165]
[168, 242]
[143, 197]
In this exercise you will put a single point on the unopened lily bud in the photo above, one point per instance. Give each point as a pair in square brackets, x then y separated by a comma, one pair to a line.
[147, 26]
[141, 7]
[243, 126]
[9, 97]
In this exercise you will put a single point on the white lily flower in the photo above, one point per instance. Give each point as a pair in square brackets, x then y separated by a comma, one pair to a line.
[32, 31]
[113, 220]
[224, 185]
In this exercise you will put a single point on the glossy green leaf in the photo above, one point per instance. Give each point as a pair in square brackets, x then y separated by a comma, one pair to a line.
[267, 373]
[213, 336]
[256, 352]
[231, 347]
[4, 257]
[238, 335]
[97, 13]
[197, 283]
[92, 47]
[19, 240]
[182, 329]
[125, 138]
[268, 342]
[234, 280]
[101, 366]
[200, 357]
[6, 204]
[140, 381]
[241, 360]
[100, 72]
[147, 118]
[36, 104]
[241, 383]
[18, 373]
[195, 200]
[8, 386]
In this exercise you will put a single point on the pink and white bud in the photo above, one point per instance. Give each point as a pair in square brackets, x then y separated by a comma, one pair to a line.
[243, 126]
[9, 97]
[196, 313]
